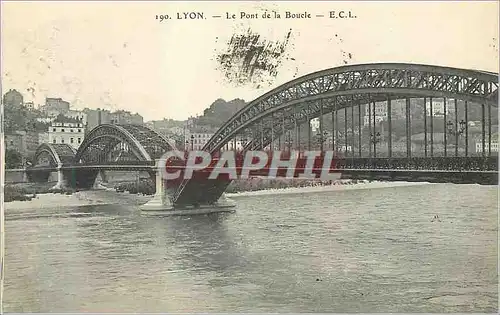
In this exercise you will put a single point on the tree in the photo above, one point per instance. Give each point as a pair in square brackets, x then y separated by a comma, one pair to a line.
[13, 159]
[219, 112]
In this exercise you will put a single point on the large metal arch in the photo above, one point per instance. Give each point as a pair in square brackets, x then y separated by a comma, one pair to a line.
[398, 80]
[60, 153]
[139, 139]
[327, 99]
[114, 132]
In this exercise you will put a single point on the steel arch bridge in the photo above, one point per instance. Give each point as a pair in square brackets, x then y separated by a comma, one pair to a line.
[53, 155]
[137, 143]
[286, 107]
[337, 88]
[106, 147]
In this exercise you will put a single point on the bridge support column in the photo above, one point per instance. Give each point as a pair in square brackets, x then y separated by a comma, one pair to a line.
[100, 179]
[62, 183]
[161, 200]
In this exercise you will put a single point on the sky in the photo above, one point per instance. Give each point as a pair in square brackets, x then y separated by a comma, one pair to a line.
[117, 55]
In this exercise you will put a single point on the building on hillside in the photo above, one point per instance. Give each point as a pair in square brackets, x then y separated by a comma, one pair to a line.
[13, 98]
[29, 105]
[78, 115]
[97, 117]
[126, 117]
[55, 106]
[65, 130]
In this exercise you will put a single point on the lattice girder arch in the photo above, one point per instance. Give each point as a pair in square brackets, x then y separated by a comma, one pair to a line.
[143, 143]
[363, 83]
[55, 154]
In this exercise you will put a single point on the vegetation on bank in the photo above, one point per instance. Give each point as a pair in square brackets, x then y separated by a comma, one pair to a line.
[144, 186]
[256, 184]
[147, 187]
[28, 191]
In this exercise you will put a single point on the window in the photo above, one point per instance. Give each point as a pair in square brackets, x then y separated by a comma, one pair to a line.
[79, 140]
[71, 140]
[62, 130]
[11, 142]
[79, 130]
[54, 129]
[54, 141]
[62, 140]
[71, 130]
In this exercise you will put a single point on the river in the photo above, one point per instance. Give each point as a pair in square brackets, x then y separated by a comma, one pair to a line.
[352, 250]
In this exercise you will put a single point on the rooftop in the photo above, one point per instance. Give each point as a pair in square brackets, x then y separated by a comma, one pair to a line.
[64, 119]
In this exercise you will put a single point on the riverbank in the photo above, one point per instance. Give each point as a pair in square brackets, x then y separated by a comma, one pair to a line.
[28, 191]
[259, 184]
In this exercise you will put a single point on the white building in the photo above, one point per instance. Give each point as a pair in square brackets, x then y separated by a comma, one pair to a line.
[377, 120]
[232, 146]
[479, 147]
[314, 124]
[380, 113]
[78, 115]
[196, 140]
[29, 105]
[438, 107]
[65, 130]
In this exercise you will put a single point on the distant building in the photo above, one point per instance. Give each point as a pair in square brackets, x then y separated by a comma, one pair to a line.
[479, 146]
[77, 114]
[13, 98]
[125, 117]
[438, 107]
[55, 106]
[95, 117]
[314, 124]
[65, 130]
[176, 131]
[196, 138]
[29, 105]
[380, 113]
[234, 145]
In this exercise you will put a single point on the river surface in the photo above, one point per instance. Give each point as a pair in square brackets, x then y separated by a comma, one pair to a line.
[366, 250]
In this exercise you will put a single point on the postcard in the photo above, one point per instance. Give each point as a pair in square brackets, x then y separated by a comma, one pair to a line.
[249, 156]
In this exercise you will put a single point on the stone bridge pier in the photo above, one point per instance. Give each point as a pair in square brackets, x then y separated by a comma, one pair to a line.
[162, 198]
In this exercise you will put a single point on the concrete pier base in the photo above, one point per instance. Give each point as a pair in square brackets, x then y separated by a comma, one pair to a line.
[162, 205]
[61, 182]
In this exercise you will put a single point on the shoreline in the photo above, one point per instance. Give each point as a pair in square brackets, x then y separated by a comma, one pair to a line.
[50, 201]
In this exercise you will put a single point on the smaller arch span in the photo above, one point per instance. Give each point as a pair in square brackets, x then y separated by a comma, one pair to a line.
[58, 153]
[143, 143]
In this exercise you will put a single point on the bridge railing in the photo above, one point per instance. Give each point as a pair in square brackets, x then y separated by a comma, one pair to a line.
[118, 163]
[420, 163]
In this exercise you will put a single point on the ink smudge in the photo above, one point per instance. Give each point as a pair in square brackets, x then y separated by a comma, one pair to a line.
[251, 59]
